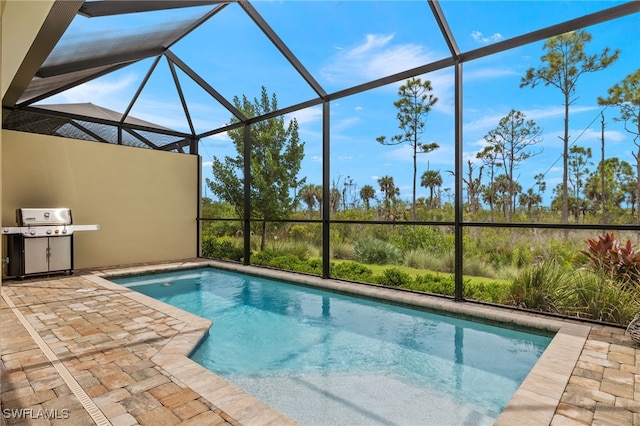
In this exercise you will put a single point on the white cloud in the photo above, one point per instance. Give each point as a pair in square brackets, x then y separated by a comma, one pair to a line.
[358, 108]
[307, 115]
[218, 137]
[107, 93]
[490, 121]
[537, 114]
[477, 36]
[376, 56]
[590, 137]
[484, 123]
[343, 124]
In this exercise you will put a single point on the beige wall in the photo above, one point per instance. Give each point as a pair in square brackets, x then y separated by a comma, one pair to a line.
[20, 23]
[145, 200]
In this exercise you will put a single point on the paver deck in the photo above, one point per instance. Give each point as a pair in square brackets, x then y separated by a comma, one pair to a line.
[80, 350]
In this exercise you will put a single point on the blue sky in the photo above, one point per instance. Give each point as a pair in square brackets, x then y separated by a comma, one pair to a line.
[344, 43]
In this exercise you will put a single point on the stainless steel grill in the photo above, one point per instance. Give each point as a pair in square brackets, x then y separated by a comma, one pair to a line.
[42, 243]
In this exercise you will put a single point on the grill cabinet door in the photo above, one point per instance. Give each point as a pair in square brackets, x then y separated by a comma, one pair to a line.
[36, 257]
[59, 253]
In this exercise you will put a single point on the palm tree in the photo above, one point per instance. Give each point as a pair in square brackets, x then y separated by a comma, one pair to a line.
[318, 194]
[367, 193]
[390, 192]
[334, 200]
[489, 157]
[431, 179]
[308, 195]
[529, 199]
[505, 190]
[388, 187]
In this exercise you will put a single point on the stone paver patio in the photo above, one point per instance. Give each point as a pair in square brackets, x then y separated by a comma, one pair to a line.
[80, 350]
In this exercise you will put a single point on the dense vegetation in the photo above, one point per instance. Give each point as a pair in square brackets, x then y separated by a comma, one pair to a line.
[597, 278]
[573, 272]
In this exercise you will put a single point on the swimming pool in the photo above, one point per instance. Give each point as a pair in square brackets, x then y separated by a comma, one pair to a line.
[325, 358]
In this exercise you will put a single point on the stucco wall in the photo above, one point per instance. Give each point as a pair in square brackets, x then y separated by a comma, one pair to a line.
[145, 201]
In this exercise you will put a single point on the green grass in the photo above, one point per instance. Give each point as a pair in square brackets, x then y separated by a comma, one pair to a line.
[378, 270]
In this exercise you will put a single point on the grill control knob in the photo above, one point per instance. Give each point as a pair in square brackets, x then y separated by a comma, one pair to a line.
[32, 232]
[48, 231]
[64, 231]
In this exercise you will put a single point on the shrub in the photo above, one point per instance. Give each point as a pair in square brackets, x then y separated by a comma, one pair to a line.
[494, 292]
[434, 283]
[535, 287]
[221, 248]
[369, 250]
[562, 251]
[477, 268]
[619, 263]
[521, 256]
[288, 262]
[308, 232]
[394, 277]
[424, 259]
[341, 250]
[429, 238]
[351, 271]
[299, 249]
[263, 257]
[587, 295]
[448, 262]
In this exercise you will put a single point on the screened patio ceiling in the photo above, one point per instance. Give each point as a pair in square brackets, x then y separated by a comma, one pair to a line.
[177, 45]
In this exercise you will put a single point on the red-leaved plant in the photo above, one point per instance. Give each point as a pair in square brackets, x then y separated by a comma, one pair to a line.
[621, 262]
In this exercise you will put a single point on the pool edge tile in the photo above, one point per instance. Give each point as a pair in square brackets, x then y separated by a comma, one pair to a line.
[173, 358]
[537, 398]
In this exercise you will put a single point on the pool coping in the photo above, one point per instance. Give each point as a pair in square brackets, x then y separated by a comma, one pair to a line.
[535, 402]
[174, 356]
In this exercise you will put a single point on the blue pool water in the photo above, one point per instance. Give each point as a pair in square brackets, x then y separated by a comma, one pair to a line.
[325, 358]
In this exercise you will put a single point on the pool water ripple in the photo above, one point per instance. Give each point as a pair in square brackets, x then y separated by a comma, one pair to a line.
[299, 348]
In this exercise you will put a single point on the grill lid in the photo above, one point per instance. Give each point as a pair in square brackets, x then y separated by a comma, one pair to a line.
[43, 217]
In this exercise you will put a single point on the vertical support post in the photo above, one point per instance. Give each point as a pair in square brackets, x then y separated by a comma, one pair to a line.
[459, 204]
[193, 146]
[199, 208]
[247, 194]
[326, 190]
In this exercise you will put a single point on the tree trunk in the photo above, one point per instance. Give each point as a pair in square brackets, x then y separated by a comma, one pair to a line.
[637, 203]
[604, 196]
[415, 172]
[565, 164]
[637, 186]
[263, 240]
